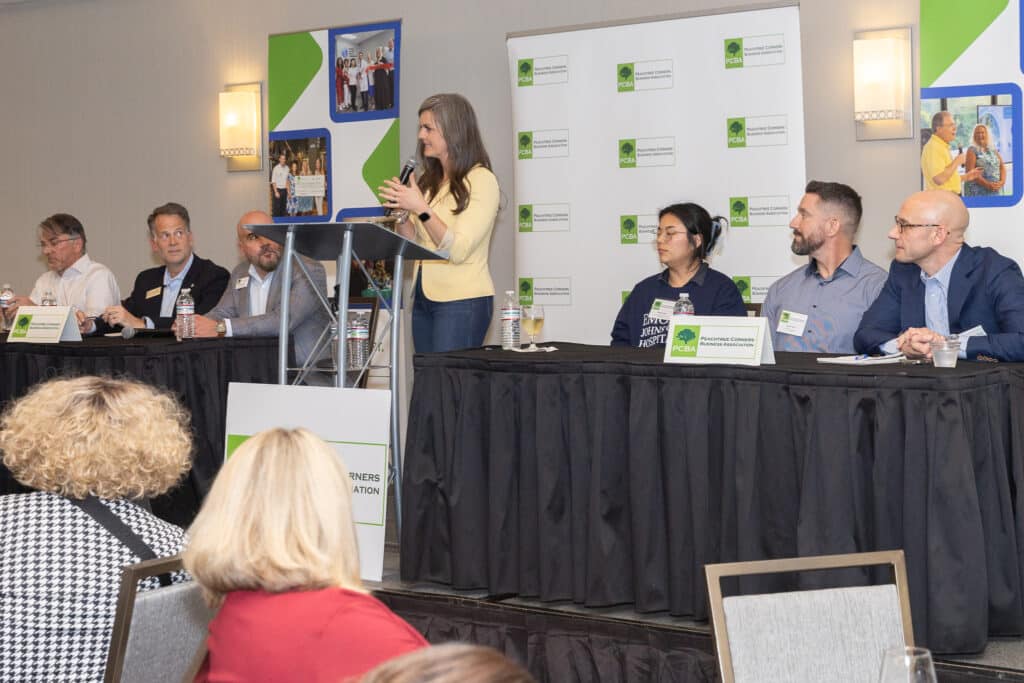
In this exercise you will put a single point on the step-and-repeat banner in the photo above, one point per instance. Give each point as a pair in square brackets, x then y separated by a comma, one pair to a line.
[614, 123]
[333, 119]
[972, 66]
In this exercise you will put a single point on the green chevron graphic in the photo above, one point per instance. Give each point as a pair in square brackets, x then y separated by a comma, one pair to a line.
[948, 28]
[293, 59]
[383, 160]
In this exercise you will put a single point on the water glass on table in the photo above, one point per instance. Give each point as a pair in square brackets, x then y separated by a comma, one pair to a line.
[907, 665]
[945, 351]
[532, 321]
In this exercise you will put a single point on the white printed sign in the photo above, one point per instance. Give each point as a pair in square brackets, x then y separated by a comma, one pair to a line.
[729, 340]
[361, 440]
[44, 325]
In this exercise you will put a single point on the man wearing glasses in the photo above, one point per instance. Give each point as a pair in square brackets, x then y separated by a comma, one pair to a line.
[940, 286]
[151, 303]
[939, 170]
[73, 279]
[817, 307]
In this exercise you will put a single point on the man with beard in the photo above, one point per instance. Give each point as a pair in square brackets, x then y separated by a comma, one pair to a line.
[251, 305]
[817, 307]
[939, 285]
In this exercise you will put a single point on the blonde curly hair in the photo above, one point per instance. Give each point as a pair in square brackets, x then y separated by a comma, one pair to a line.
[112, 438]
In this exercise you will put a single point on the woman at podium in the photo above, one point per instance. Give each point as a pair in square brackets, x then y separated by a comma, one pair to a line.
[451, 209]
[686, 235]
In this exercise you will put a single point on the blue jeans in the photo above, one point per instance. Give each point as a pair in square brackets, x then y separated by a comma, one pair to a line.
[449, 325]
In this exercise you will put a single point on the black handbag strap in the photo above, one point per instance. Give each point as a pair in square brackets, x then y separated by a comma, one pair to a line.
[103, 515]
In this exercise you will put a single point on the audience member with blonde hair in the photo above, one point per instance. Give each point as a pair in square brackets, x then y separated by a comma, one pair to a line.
[274, 545]
[450, 663]
[88, 445]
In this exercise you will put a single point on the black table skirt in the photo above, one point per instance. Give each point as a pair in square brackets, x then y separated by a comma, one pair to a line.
[197, 371]
[604, 477]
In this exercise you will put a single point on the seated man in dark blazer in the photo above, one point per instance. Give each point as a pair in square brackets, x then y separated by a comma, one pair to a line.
[151, 303]
[938, 285]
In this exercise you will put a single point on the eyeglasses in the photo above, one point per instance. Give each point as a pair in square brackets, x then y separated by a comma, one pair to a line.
[54, 243]
[166, 236]
[252, 237]
[669, 233]
[904, 225]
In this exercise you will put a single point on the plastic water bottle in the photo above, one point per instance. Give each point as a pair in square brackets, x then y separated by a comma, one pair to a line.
[6, 299]
[185, 322]
[357, 341]
[510, 319]
[48, 299]
[683, 305]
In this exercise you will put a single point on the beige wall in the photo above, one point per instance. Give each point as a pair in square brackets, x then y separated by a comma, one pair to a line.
[110, 107]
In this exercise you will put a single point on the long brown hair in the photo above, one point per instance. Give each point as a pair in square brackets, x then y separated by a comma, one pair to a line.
[456, 120]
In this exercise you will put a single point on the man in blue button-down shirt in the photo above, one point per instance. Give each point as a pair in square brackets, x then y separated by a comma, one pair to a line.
[817, 307]
[939, 286]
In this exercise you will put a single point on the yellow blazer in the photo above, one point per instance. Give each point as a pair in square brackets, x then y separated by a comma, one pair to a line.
[465, 274]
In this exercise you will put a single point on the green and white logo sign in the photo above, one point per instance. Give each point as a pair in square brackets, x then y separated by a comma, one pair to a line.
[526, 291]
[733, 53]
[526, 218]
[625, 77]
[628, 232]
[525, 140]
[685, 340]
[524, 71]
[627, 153]
[736, 130]
[739, 212]
[21, 325]
[743, 284]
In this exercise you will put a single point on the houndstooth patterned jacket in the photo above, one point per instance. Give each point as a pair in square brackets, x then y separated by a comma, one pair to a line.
[59, 576]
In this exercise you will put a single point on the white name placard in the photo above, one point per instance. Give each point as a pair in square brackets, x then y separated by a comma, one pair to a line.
[729, 340]
[361, 440]
[44, 325]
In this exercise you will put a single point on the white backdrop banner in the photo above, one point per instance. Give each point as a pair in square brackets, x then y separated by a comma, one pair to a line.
[614, 123]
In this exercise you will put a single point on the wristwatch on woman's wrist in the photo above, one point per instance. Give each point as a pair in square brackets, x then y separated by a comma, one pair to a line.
[222, 328]
[424, 217]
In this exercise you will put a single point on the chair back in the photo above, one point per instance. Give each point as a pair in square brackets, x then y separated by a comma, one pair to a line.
[825, 634]
[159, 634]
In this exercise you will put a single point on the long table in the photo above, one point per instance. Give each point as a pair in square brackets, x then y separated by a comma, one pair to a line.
[604, 477]
[197, 371]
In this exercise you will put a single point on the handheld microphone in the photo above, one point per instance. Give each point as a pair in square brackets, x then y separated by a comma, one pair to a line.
[403, 177]
[410, 166]
[128, 332]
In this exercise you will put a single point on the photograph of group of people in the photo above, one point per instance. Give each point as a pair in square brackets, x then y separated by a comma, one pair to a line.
[298, 177]
[967, 145]
[364, 71]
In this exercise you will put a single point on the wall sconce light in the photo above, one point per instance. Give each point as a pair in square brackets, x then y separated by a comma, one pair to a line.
[241, 129]
[883, 96]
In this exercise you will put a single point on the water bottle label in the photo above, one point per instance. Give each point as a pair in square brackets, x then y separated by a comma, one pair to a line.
[186, 309]
[511, 313]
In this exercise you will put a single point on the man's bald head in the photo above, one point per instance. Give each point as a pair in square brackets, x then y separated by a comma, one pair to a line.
[262, 253]
[944, 207]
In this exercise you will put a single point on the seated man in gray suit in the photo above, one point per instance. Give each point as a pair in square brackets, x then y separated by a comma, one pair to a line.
[251, 305]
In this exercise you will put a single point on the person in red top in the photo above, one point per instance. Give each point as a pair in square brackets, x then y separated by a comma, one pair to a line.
[274, 545]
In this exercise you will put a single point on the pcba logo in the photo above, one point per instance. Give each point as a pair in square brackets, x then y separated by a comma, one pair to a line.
[739, 212]
[743, 285]
[21, 325]
[627, 153]
[526, 218]
[628, 232]
[737, 132]
[525, 141]
[624, 77]
[526, 291]
[733, 53]
[525, 72]
[685, 340]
